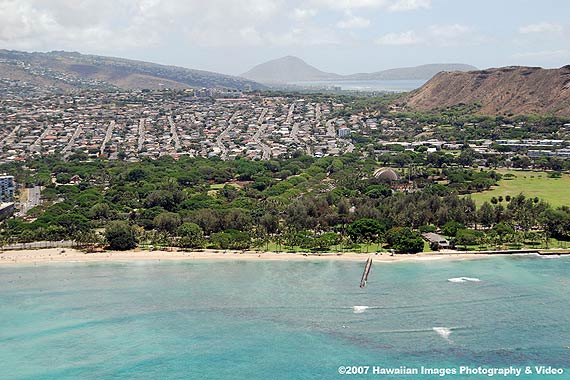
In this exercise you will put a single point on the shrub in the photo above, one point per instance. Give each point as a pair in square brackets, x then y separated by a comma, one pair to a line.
[231, 239]
[451, 228]
[404, 240]
[121, 236]
[430, 228]
[191, 236]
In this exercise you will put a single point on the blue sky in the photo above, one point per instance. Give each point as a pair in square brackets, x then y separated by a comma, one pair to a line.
[343, 36]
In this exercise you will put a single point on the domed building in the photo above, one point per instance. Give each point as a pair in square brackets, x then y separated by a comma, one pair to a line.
[386, 174]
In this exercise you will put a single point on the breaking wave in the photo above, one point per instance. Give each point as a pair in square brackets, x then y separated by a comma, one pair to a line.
[444, 332]
[359, 309]
[463, 279]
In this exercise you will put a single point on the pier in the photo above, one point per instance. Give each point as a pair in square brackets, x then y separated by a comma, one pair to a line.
[367, 268]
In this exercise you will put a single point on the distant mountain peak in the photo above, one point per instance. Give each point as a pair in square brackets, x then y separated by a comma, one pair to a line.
[294, 57]
[287, 59]
[286, 69]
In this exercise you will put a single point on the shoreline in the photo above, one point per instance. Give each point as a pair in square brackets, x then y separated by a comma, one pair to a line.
[59, 255]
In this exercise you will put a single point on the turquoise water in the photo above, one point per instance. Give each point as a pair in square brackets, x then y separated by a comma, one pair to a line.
[281, 320]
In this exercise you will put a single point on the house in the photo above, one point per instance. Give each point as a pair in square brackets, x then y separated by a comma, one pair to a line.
[436, 238]
[75, 179]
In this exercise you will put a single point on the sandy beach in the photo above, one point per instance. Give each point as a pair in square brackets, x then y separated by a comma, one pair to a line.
[55, 255]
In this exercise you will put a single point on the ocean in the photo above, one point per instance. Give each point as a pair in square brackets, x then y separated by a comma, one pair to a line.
[285, 320]
[367, 85]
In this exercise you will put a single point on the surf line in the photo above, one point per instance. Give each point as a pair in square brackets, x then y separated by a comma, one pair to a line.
[367, 268]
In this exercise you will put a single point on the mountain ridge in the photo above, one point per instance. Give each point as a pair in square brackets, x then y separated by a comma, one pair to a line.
[291, 69]
[511, 90]
[68, 70]
[419, 72]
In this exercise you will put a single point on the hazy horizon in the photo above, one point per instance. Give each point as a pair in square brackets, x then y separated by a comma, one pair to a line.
[340, 36]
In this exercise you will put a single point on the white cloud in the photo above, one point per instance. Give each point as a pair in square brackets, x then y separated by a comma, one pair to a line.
[303, 36]
[20, 21]
[450, 35]
[409, 5]
[353, 22]
[114, 25]
[434, 35]
[86, 24]
[561, 54]
[303, 13]
[448, 31]
[250, 35]
[111, 26]
[390, 5]
[96, 25]
[543, 27]
[398, 39]
[350, 4]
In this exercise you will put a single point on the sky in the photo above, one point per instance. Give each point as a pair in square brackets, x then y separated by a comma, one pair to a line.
[342, 36]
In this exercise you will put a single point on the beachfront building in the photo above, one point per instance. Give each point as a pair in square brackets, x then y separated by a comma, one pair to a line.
[436, 238]
[6, 188]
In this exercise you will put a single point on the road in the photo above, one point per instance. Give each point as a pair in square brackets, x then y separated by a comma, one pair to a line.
[108, 136]
[66, 151]
[225, 132]
[174, 134]
[257, 136]
[36, 146]
[330, 128]
[294, 132]
[290, 114]
[141, 135]
[9, 138]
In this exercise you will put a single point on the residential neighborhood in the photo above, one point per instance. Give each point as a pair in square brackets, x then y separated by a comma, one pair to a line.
[131, 125]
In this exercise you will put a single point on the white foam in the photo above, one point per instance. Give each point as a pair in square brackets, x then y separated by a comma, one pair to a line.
[444, 332]
[359, 309]
[463, 279]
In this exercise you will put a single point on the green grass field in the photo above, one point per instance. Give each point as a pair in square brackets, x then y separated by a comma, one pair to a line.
[363, 248]
[555, 191]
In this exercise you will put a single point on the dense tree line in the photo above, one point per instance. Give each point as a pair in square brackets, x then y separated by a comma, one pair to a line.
[299, 201]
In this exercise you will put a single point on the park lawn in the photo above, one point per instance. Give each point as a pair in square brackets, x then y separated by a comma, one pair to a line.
[427, 248]
[552, 243]
[216, 187]
[363, 248]
[555, 191]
